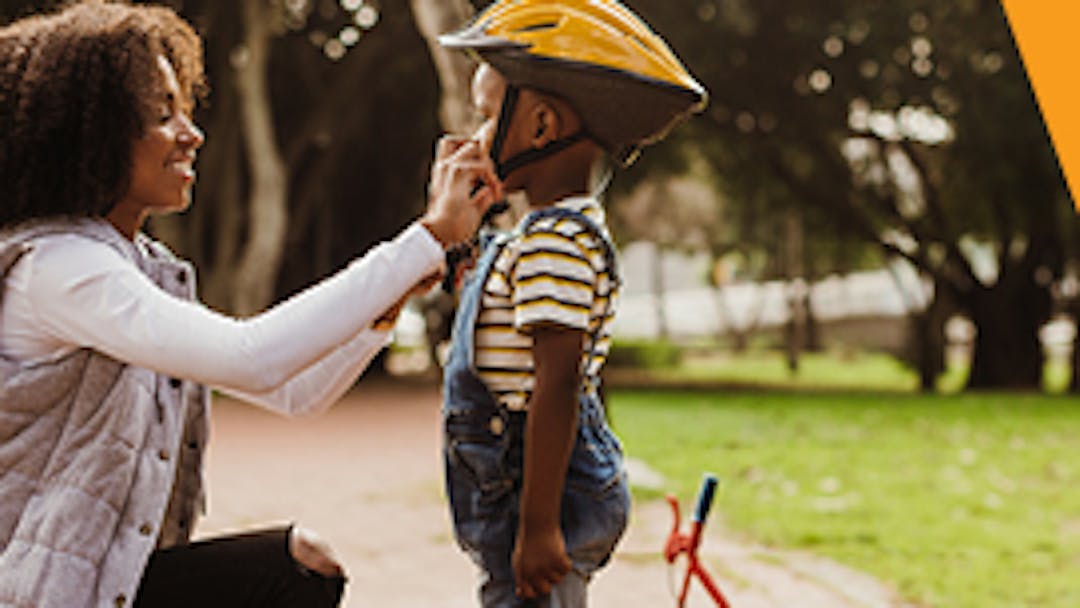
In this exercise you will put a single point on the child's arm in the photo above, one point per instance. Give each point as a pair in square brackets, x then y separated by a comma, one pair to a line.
[540, 560]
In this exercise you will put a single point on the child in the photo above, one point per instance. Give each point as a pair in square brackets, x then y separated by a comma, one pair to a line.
[534, 474]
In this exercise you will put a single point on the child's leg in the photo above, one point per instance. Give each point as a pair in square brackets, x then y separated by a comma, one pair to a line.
[498, 593]
[569, 593]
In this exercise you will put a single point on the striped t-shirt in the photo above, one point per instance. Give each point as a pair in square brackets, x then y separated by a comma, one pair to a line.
[555, 273]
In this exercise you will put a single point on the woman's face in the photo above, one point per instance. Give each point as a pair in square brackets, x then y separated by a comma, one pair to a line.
[163, 159]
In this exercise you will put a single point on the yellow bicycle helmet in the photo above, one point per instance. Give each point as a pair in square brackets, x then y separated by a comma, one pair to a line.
[622, 78]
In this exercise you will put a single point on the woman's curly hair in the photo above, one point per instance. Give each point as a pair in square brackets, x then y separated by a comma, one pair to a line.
[77, 89]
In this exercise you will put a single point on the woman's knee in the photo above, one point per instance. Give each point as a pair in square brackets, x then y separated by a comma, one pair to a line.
[313, 553]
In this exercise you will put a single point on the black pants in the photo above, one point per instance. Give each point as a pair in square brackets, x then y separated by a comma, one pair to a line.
[254, 569]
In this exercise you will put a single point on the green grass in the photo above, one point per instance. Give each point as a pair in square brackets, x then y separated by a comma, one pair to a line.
[958, 501]
[816, 371]
[832, 371]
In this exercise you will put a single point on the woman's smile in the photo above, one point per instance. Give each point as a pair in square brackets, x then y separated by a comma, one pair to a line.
[184, 166]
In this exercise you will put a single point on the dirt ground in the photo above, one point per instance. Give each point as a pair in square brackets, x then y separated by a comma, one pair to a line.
[366, 476]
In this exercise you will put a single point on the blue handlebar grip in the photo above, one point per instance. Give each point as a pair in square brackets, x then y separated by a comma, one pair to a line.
[705, 498]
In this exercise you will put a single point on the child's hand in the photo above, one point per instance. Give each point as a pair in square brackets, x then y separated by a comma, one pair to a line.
[540, 561]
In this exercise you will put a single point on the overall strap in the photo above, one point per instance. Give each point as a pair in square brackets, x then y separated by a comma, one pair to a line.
[490, 244]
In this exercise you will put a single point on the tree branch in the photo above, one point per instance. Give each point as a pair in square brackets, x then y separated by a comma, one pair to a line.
[933, 203]
[337, 99]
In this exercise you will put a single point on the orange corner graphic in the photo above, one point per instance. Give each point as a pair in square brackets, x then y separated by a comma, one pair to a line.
[1045, 33]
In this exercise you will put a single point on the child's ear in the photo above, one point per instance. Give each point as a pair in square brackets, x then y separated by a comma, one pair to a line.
[545, 125]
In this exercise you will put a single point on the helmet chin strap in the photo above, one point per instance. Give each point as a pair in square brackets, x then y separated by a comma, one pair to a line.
[502, 127]
[506, 115]
[503, 170]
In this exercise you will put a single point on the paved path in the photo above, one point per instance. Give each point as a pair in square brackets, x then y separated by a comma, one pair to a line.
[366, 476]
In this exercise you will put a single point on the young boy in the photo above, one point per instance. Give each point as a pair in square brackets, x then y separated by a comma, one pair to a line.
[534, 474]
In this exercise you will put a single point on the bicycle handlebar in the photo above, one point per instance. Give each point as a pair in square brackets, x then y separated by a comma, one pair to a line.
[705, 498]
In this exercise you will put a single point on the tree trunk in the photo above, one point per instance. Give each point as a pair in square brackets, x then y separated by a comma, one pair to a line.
[814, 342]
[267, 210]
[1074, 384]
[928, 341]
[454, 68]
[798, 292]
[725, 320]
[658, 292]
[227, 216]
[319, 149]
[433, 18]
[214, 224]
[209, 233]
[1007, 352]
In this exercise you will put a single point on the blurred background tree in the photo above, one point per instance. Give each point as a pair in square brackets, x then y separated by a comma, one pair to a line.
[842, 135]
[907, 124]
[337, 77]
[321, 122]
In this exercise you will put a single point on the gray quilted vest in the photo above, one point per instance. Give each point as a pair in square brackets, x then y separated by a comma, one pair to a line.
[100, 461]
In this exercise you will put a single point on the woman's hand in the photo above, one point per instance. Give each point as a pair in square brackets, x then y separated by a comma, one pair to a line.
[540, 561]
[463, 185]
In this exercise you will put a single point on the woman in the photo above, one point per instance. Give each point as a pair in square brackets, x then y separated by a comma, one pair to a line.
[105, 356]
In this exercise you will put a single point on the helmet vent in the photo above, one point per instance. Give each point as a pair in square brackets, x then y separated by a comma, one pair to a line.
[644, 45]
[537, 27]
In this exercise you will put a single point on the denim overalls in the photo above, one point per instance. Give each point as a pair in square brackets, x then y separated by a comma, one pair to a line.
[483, 455]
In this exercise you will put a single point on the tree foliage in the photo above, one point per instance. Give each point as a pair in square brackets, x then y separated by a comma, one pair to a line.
[353, 110]
[905, 125]
[908, 123]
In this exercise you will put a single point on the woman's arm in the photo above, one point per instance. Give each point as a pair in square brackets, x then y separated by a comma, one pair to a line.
[316, 388]
[86, 294]
[81, 293]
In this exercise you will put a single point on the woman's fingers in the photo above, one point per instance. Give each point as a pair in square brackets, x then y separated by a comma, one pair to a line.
[444, 149]
[471, 157]
[463, 186]
[448, 144]
[470, 173]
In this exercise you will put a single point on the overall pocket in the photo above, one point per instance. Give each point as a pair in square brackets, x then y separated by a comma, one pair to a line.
[479, 485]
[596, 498]
[596, 463]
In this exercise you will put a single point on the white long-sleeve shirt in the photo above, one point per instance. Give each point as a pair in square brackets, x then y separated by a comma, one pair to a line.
[299, 357]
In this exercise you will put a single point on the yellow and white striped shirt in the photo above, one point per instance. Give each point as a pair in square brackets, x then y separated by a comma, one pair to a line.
[555, 273]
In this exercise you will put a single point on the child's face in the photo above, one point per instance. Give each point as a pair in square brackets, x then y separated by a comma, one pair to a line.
[537, 121]
[488, 92]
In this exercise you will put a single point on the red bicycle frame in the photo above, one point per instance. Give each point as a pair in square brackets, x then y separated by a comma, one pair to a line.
[679, 543]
